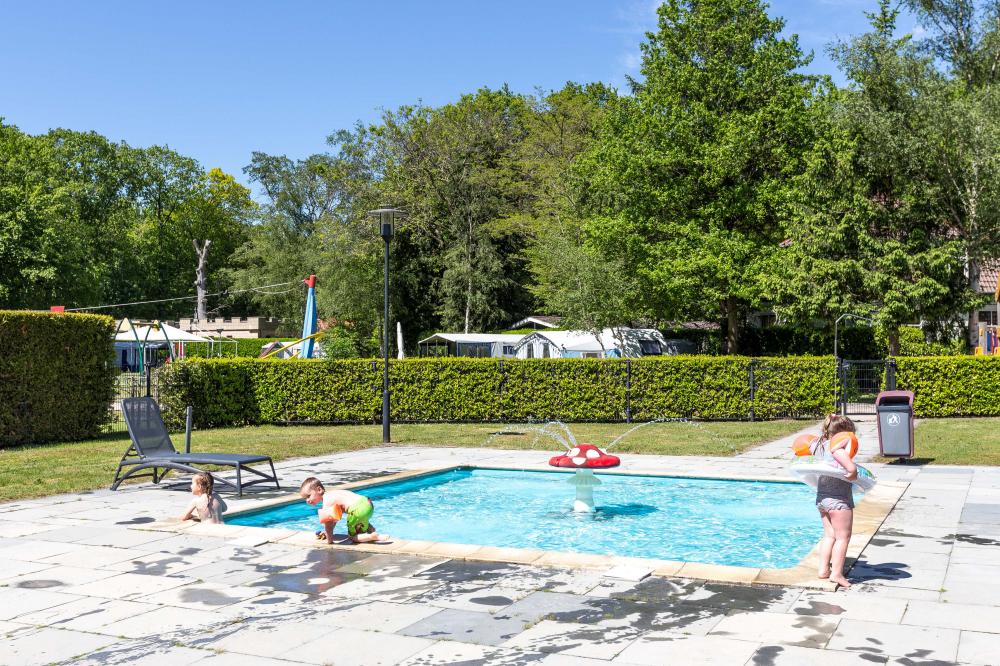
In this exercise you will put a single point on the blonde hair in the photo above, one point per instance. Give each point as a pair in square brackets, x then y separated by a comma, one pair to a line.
[309, 484]
[835, 423]
[204, 481]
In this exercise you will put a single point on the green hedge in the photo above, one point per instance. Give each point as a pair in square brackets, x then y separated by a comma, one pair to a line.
[951, 385]
[232, 348]
[56, 376]
[244, 392]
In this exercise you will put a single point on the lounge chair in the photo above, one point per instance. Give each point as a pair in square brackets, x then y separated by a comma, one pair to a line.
[152, 449]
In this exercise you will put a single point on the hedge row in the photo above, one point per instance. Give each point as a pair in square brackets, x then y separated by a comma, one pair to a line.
[951, 385]
[56, 376]
[244, 392]
[231, 348]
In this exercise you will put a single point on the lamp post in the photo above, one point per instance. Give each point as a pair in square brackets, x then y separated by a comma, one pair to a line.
[387, 225]
[836, 323]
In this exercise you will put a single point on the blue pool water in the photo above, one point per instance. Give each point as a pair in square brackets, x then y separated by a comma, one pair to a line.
[741, 523]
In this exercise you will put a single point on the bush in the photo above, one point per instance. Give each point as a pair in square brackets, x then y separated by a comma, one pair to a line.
[912, 342]
[231, 347]
[56, 376]
[852, 342]
[951, 385]
[243, 392]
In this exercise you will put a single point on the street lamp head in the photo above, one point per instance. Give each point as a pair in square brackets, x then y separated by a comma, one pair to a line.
[387, 220]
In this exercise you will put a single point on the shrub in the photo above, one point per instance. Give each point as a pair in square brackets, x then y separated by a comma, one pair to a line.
[912, 342]
[243, 391]
[56, 376]
[231, 348]
[951, 385]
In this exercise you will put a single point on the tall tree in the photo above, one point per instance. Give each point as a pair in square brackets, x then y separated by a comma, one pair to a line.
[453, 168]
[571, 277]
[694, 169]
[965, 34]
[865, 237]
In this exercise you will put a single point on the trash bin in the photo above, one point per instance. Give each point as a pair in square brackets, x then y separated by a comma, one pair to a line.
[895, 423]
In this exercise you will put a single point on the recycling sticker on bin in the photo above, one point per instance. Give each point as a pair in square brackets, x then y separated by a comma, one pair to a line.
[893, 419]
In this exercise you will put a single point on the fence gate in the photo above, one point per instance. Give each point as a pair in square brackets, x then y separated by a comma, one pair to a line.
[859, 383]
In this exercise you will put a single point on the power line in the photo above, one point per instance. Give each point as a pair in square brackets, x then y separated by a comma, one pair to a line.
[224, 292]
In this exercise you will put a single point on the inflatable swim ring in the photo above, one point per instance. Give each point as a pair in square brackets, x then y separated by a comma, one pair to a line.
[802, 446]
[808, 469]
[844, 440]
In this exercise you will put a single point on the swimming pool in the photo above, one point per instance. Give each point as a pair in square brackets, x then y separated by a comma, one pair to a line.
[739, 523]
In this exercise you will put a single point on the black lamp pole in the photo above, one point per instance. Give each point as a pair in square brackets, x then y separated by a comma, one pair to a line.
[387, 221]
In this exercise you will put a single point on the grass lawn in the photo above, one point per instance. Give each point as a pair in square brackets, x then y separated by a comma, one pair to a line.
[51, 469]
[958, 441]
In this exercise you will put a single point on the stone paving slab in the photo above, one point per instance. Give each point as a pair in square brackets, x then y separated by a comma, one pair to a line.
[895, 640]
[117, 582]
[46, 645]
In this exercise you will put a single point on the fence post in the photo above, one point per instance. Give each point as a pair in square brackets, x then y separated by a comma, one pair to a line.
[188, 418]
[628, 390]
[149, 379]
[890, 374]
[753, 386]
[843, 367]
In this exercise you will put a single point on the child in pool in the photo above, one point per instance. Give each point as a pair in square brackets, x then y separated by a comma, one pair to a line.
[205, 505]
[835, 501]
[337, 504]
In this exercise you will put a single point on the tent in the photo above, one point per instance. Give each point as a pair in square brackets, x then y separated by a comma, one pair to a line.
[132, 344]
[158, 333]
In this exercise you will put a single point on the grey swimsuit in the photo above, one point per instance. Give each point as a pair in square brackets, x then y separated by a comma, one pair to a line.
[833, 494]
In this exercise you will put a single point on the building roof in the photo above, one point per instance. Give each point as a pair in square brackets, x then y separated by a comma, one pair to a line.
[473, 338]
[542, 320]
[988, 274]
[586, 341]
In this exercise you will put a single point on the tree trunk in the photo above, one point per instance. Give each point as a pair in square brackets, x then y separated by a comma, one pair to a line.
[199, 281]
[732, 326]
[894, 341]
[974, 313]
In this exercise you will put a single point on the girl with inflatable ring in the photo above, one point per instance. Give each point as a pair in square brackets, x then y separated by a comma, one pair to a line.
[834, 497]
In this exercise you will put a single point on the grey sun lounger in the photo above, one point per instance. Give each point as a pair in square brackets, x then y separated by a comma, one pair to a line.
[152, 449]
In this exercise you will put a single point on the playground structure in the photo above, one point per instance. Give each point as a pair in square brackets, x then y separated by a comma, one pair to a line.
[305, 346]
[988, 341]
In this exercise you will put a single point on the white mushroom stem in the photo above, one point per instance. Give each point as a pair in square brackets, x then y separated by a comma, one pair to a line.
[584, 480]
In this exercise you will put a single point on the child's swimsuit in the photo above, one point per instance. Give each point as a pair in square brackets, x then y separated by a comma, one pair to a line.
[832, 494]
[358, 515]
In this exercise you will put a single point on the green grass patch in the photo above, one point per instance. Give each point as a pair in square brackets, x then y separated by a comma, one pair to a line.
[958, 441]
[37, 471]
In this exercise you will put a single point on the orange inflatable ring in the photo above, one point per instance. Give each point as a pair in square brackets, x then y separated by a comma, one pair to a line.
[802, 446]
[331, 515]
[844, 440]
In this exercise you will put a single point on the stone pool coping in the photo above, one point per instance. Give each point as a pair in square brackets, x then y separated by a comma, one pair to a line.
[869, 514]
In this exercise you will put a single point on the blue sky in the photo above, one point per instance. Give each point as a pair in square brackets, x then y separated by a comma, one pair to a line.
[218, 80]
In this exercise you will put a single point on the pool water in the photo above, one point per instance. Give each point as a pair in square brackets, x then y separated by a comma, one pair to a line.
[739, 523]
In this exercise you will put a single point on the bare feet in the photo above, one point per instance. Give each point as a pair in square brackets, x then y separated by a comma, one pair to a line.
[841, 581]
[823, 573]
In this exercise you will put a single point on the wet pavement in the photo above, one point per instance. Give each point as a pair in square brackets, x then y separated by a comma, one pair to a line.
[83, 580]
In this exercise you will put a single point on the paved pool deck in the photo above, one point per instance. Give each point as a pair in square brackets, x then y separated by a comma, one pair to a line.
[100, 578]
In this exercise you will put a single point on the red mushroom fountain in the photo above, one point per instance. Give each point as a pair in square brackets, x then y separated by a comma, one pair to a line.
[585, 458]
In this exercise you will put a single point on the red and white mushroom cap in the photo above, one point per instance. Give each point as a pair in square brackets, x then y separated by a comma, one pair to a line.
[585, 456]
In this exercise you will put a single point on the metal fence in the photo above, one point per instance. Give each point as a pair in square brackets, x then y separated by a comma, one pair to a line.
[860, 381]
[131, 385]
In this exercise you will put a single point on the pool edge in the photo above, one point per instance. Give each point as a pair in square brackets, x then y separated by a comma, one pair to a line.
[869, 514]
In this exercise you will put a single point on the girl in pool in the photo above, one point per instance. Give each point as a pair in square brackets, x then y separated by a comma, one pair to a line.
[205, 505]
[835, 501]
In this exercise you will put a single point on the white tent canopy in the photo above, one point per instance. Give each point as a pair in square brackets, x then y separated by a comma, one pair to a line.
[160, 333]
